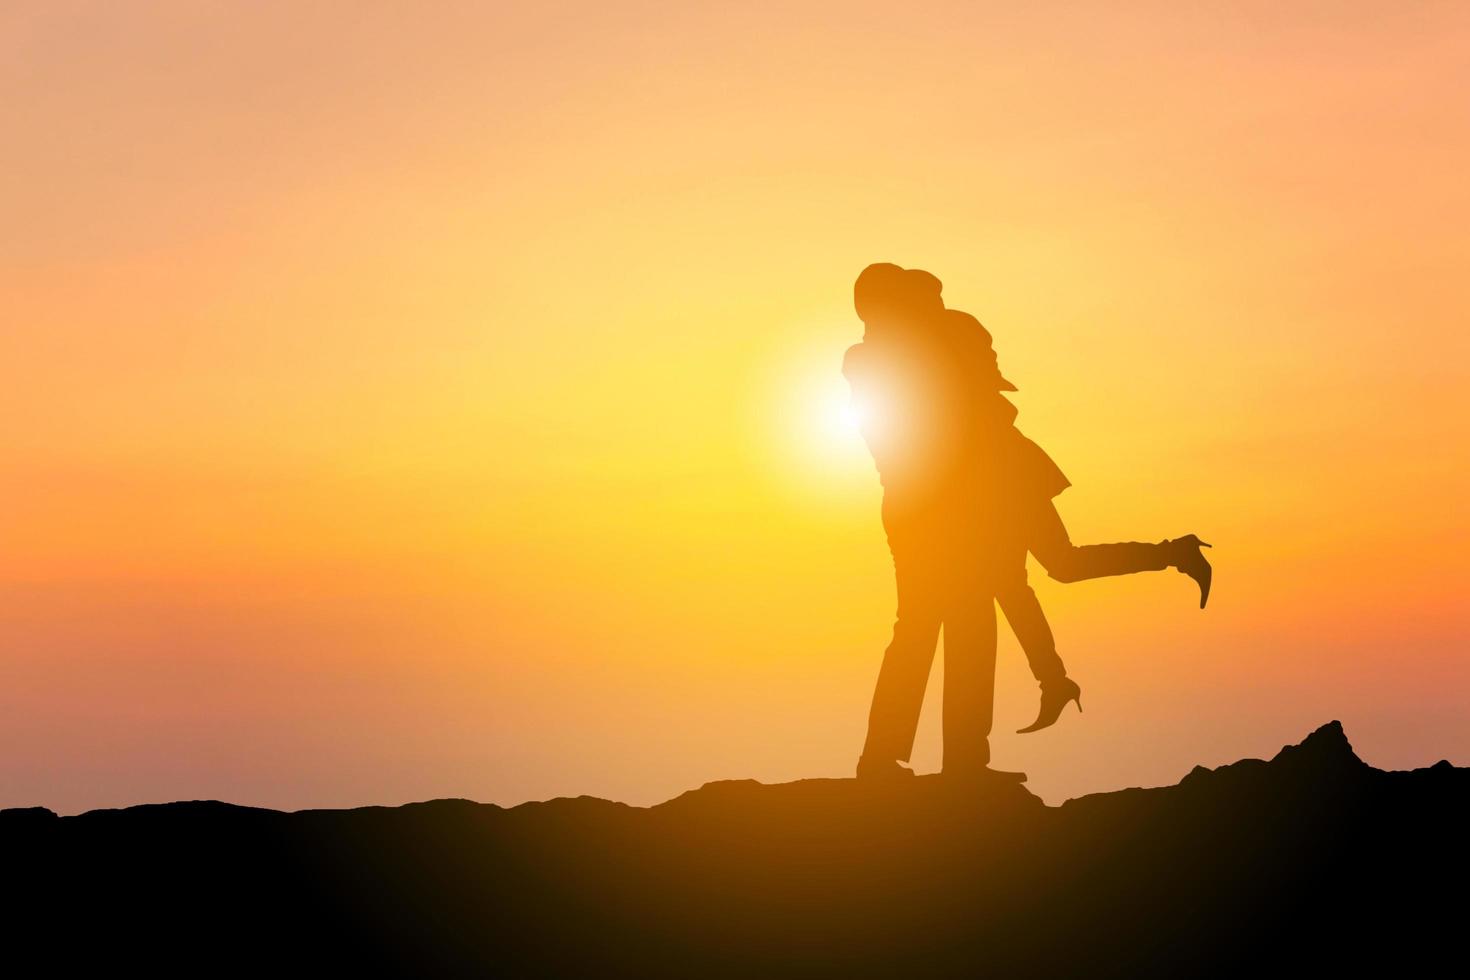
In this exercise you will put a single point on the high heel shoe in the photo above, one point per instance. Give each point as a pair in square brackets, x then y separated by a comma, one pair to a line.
[1053, 700]
[1191, 562]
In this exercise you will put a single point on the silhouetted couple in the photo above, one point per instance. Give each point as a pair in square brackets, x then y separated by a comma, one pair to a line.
[965, 497]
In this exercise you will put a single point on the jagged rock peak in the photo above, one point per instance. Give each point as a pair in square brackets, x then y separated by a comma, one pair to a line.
[1328, 745]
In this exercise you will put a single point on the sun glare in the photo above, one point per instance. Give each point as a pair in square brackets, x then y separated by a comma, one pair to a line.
[810, 418]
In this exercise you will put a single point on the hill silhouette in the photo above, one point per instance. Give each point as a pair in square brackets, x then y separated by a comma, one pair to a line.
[1310, 860]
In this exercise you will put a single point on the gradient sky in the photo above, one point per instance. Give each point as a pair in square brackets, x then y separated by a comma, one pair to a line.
[409, 401]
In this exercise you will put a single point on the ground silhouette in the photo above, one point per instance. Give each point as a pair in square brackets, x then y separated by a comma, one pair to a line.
[1310, 860]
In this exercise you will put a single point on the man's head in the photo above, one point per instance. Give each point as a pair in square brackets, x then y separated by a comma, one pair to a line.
[887, 295]
[878, 293]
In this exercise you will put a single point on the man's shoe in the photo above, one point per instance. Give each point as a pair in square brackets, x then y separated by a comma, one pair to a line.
[983, 774]
[883, 770]
[1004, 775]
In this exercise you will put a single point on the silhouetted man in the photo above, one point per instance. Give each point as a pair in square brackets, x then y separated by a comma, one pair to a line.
[910, 416]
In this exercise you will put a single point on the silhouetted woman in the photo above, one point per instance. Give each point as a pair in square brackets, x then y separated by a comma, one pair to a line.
[1019, 482]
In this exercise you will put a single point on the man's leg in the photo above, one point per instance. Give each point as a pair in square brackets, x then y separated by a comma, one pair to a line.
[898, 697]
[1067, 562]
[969, 677]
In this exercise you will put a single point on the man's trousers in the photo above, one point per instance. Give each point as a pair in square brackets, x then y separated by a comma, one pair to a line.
[943, 582]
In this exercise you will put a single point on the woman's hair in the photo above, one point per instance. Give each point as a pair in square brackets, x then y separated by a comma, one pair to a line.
[923, 283]
[978, 341]
[924, 292]
[964, 321]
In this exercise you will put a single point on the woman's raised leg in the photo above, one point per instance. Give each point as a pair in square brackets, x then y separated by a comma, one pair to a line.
[1068, 562]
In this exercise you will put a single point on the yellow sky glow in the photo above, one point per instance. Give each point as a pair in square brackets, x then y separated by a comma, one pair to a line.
[412, 403]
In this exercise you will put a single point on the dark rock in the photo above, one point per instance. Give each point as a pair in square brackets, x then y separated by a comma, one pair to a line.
[18, 818]
[1311, 859]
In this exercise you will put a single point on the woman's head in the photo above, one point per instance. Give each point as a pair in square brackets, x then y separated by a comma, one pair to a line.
[977, 340]
[961, 320]
[924, 292]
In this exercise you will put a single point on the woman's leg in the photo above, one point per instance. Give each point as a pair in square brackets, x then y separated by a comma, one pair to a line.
[1028, 621]
[1068, 562]
[1023, 610]
[1004, 559]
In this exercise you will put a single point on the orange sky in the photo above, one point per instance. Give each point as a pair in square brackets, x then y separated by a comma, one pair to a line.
[407, 403]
